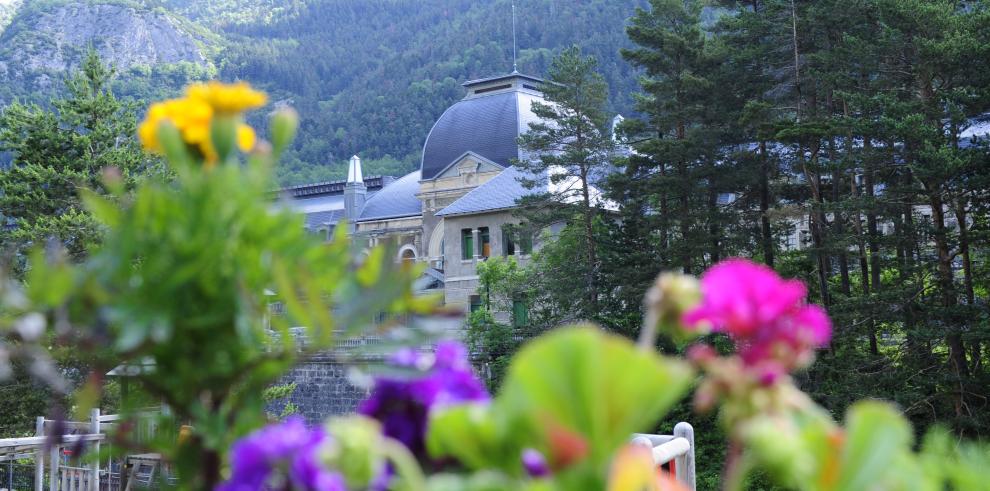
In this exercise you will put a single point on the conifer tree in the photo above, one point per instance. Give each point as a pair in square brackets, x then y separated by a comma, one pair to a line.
[58, 151]
[676, 154]
[570, 148]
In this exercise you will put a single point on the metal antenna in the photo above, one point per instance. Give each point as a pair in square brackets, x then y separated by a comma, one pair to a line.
[514, 68]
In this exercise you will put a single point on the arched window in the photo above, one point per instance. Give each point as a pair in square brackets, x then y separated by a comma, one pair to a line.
[407, 254]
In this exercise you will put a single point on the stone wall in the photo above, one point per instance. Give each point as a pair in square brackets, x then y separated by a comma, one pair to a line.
[323, 389]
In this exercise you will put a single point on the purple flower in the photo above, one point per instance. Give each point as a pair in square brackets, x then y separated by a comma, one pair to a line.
[775, 331]
[534, 463]
[403, 405]
[283, 453]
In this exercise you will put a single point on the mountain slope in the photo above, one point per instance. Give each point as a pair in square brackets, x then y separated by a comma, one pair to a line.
[368, 77]
[46, 39]
[371, 77]
[7, 9]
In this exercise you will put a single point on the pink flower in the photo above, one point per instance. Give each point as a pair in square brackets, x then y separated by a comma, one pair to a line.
[765, 315]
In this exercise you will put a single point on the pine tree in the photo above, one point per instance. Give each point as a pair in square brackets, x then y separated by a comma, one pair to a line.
[676, 153]
[58, 151]
[570, 148]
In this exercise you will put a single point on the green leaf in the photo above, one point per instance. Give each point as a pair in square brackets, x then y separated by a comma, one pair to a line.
[371, 271]
[102, 208]
[49, 283]
[877, 436]
[596, 384]
[471, 434]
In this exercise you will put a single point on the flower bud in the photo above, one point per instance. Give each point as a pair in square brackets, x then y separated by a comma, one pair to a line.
[284, 124]
[223, 133]
[780, 448]
[666, 302]
[356, 450]
[534, 463]
[113, 179]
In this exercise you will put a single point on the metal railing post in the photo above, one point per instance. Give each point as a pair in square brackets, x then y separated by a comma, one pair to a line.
[53, 467]
[685, 463]
[94, 423]
[39, 456]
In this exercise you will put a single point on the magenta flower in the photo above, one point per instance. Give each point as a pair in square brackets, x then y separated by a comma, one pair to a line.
[403, 404]
[281, 456]
[775, 331]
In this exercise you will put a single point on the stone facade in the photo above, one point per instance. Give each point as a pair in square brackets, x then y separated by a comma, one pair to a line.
[461, 275]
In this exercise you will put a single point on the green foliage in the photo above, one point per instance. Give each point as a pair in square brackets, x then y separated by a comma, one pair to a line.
[570, 148]
[570, 395]
[56, 153]
[276, 396]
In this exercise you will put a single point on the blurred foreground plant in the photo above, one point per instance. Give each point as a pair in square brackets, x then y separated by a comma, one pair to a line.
[573, 397]
[775, 427]
[181, 290]
[182, 285]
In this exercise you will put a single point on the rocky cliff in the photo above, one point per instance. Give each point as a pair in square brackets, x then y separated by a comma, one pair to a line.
[45, 39]
[7, 8]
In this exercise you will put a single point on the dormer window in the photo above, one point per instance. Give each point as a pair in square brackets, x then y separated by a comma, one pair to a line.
[493, 89]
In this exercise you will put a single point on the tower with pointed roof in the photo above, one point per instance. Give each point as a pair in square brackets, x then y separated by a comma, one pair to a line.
[355, 192]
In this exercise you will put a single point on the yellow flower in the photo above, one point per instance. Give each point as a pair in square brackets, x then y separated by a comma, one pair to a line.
[193, 116]
[245, 137]
[227, 98]
[190, 116]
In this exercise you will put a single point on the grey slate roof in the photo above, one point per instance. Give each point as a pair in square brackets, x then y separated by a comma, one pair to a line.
[395, 200]
[318, 219]
[501, 192]
[487, 125]
[304, 191]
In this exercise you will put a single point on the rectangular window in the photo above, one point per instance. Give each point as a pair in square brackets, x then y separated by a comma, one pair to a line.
[486, 243]
[475, 303]
[508, 246]
[467, 244]
[526, 242]
[518, 242]
[520, 313]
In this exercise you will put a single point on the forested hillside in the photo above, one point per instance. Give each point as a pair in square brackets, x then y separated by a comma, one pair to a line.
[367, 77]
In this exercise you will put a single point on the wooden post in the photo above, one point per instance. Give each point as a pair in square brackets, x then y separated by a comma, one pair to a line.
[39, 455]
[685, 463]
[94, 422]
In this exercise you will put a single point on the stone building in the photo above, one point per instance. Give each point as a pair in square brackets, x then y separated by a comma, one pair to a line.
[451, 212]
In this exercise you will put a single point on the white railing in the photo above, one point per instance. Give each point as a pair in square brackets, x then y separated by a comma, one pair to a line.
[75, 434]
[675, 451]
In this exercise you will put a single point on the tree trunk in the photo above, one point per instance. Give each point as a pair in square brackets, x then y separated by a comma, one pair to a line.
[766, 234]
[864, 269]
[964, 251]
[589, 236]
[957, 351]
[838, 221]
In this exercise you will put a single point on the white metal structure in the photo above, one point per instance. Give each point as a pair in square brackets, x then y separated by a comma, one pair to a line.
[75, 434]
[676, 451]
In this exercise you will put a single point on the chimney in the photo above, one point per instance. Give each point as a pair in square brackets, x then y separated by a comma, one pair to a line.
[355, 192]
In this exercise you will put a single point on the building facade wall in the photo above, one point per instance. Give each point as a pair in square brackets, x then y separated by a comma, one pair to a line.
[461, 275]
